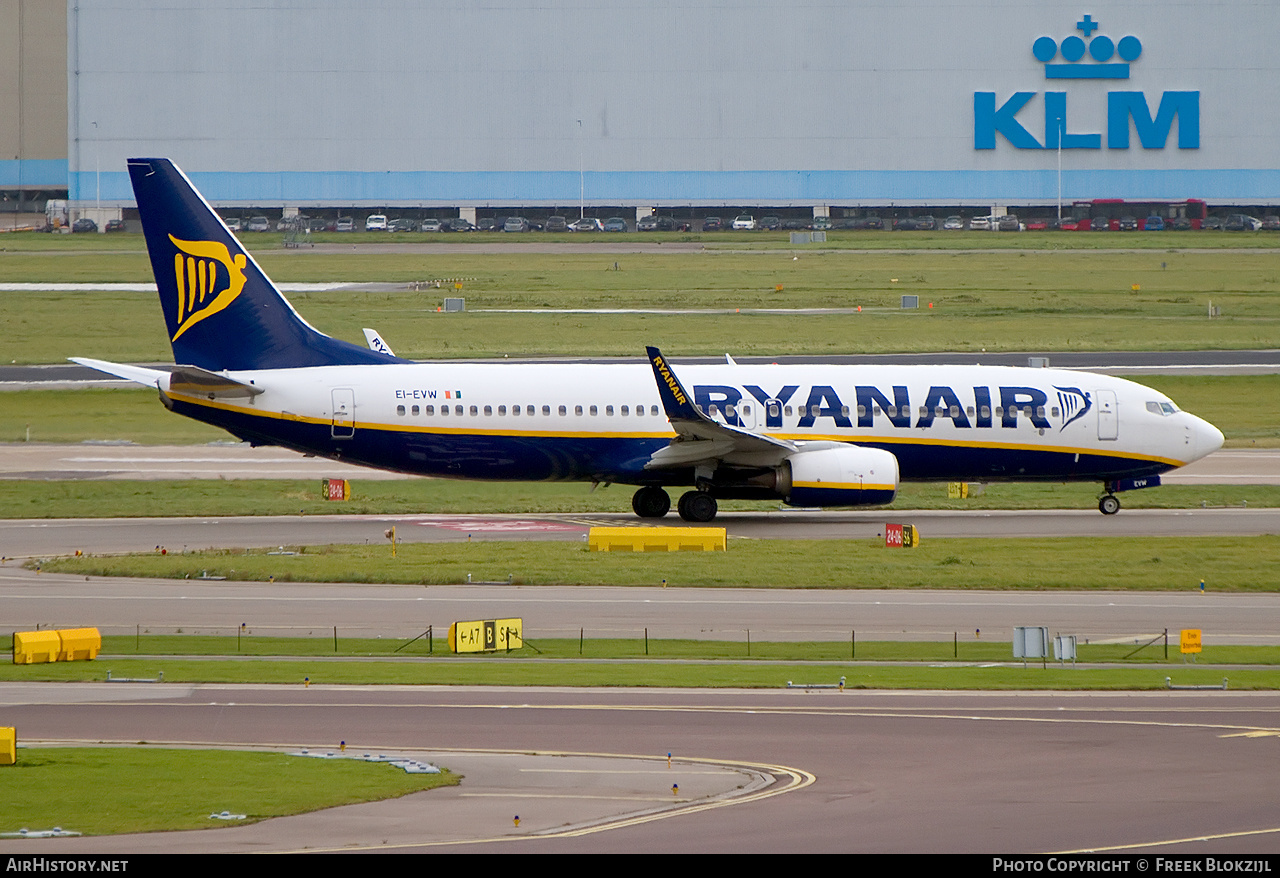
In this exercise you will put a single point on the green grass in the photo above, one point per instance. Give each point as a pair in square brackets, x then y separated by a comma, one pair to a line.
[1231, 564]
[998, 301]
[1146, 672]
[23, 498]
[109, 790]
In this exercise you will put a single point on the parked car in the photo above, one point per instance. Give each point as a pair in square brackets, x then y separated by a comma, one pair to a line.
[871, 222]
[1212, 223]
[615, 224]
[980, 223]
[953, 224]
[712, 224]
[587, 224]
[260, 224]
[515, 224]
[116, 225]
[490, 224]
[1239, 222]
[344, 224]
[744, 222]
[556, 224]
[1008, 223]
[1154, 224]
[794, 225]
[771, 223]
[375, 222]
[431, 224]
[458, 224]
[1100, 224]
[1128, 223]
[1036, 225]
[1270, 223]
[84, 224]
[232, 223]
[822, 224]
[1181, 224]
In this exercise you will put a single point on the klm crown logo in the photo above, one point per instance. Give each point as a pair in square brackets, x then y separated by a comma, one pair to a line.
[203, 289]
[1101, 49]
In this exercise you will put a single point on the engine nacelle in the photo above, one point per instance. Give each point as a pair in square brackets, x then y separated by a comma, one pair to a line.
[847, 475]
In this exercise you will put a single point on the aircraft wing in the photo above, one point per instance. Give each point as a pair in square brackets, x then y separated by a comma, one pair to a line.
[182, 379]
[700, 438]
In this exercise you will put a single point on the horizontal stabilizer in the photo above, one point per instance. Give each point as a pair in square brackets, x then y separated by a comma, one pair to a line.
[193, 379]
[182, 379]
[139, 374]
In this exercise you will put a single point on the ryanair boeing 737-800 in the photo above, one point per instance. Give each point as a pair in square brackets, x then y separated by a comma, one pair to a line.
[811, 435]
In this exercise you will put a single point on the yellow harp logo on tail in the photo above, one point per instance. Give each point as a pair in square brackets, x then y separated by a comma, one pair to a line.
[195, 268]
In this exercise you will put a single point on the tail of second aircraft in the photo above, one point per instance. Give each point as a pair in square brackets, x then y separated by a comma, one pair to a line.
[222, 311]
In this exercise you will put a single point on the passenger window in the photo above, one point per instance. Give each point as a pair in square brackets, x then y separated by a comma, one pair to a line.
[457, 410]
[624, 411]
[444, 410]
[730, 411]
[954, 411]
[564, 410]
[986, 411]
[608, 410]
[474, 411]
[502, 409]
[593, 411]
[844, 411]
[577, 410]
[400, 410]
[862, 411]
[430, 410]
[546, 410]
[414, 411]
[488, 411]
[653, 410]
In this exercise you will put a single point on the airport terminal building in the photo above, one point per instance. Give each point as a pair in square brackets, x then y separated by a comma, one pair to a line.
[298, 104]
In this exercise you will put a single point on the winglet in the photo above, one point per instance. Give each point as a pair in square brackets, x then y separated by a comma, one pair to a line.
[676, 401]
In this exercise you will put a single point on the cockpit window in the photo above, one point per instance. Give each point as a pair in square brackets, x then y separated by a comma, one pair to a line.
[1164, 409]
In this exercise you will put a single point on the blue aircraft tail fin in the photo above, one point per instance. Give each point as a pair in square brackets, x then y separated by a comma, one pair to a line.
[222, 311]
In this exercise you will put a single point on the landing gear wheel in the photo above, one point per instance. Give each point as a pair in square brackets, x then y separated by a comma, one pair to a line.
[697, 506]
[1109, 505]
[651, 502]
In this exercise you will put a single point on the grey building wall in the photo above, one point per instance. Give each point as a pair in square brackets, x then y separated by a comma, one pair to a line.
[33, 95]
[780, 102]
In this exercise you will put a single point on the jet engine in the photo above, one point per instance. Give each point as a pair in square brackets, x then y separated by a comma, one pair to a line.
[844, 475]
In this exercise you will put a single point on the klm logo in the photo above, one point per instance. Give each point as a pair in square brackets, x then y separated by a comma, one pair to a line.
[208, 278]
[1097, 57]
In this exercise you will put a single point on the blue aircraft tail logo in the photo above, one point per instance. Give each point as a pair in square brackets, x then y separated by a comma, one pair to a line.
[1075, 402]
[196, 272]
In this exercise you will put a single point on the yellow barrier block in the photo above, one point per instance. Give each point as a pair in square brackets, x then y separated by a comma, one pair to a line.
[656, 539]
[8, 745]
[79, 644]
[35, 647]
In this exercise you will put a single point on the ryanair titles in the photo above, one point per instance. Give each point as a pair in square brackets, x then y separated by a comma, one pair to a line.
[978, 408]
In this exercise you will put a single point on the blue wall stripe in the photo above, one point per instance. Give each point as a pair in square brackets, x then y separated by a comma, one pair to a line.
[681, 187]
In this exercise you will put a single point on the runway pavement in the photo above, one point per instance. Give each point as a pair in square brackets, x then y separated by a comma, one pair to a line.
[820, 772]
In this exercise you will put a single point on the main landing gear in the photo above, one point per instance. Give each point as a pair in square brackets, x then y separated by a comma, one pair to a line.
[653, 502]
[1109, 504]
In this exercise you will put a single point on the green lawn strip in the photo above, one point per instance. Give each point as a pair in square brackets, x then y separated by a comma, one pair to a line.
[966, 647]
[1231, 402]
[686, 673]
[1233, 564]
[24, 498]
[1024, 300]
[109, 790]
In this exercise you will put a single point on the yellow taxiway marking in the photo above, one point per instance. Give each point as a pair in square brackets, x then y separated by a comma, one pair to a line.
[1218, 836]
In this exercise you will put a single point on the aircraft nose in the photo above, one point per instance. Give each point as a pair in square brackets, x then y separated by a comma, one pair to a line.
[1205, 437]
